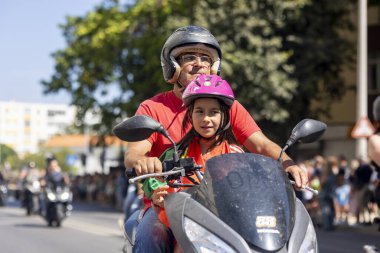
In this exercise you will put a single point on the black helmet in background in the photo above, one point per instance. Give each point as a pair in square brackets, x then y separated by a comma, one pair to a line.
[376, 109]
[49, 158]
[188, 39]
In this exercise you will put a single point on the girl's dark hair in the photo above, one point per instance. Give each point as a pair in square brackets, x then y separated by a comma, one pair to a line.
[225, 135]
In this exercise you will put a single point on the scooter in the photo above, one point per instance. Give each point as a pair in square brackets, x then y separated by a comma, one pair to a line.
[56, 204]
[32, 197]
[243, 203]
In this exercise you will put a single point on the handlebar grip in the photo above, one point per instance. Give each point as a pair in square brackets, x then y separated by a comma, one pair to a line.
[130, 173]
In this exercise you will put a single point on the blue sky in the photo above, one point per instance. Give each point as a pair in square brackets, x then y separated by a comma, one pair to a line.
[29, 34]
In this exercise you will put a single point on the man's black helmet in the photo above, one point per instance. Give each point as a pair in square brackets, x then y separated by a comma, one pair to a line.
[188, 39]
[376, 109]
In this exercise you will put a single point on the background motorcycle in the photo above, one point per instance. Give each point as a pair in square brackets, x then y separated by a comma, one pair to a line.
[56, 204]
[245, 202]
[32, 196]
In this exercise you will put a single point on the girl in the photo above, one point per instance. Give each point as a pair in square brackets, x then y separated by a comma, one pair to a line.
[208, 99]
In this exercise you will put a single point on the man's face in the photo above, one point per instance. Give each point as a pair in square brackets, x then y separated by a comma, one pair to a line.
[193, 64]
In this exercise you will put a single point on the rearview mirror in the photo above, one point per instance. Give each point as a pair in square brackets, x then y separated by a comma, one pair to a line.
[306, 131]
[137, 128]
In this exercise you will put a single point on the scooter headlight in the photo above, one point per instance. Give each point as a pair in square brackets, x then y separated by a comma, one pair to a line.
[51, 196]
[203, 240]
[309, 244]
[65, 196]
[3, 189]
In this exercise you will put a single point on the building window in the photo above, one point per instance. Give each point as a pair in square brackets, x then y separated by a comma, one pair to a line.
[55, 113]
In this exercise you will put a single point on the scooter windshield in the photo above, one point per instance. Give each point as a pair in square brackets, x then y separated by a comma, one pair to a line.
[252, 195]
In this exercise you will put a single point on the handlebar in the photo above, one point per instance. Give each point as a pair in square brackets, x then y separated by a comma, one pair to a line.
[173, 169]
[161, 174]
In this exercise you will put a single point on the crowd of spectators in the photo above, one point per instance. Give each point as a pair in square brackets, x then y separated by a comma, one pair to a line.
[346, 191]
[105, 189]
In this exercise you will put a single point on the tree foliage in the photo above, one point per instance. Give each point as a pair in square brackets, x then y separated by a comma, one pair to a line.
[279, 56]
[6, 153]
[282, 57]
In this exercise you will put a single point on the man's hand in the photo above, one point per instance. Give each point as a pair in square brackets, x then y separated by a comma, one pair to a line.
[137, 157]
[299, 175]
[147, 165]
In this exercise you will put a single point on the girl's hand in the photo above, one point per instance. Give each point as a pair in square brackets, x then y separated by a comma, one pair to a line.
[159, 194]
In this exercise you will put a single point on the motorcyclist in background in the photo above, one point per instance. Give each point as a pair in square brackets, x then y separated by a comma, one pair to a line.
[54, 174]
[27, 176]
[53, 177]
[31, 184]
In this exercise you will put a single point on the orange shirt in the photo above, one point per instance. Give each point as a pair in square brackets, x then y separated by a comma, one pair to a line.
[194, 151]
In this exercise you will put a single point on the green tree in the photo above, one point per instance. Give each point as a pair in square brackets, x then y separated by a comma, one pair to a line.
[279, 56]
[111, 62]
[7, 154]
[282, 56]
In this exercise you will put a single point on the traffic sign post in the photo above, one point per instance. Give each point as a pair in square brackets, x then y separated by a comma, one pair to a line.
[363, 128]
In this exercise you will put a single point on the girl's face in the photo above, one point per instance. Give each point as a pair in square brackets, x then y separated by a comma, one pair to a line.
[206, 116]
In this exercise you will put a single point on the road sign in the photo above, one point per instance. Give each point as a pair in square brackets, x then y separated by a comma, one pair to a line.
[363, 128]
[71, 159]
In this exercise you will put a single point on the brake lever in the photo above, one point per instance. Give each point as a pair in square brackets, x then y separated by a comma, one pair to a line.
[161, 174]
[315, 192]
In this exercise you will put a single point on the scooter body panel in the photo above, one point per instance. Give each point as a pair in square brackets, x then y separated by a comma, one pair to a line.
[278, 227]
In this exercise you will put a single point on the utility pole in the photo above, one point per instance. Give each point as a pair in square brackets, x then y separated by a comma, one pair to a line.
[362, 89]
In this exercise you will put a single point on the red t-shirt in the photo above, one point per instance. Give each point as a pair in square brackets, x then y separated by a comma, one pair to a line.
[169, 110]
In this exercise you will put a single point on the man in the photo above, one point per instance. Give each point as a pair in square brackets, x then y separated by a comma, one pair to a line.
[374, 151]
[54, 174]
[187, 53]
[29, 176]
[374, 140]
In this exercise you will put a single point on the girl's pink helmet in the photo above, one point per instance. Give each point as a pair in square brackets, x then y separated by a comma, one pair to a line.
[208, 86]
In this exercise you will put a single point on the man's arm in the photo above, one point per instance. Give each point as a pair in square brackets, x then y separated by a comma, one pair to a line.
[374, 149]
[137, 157]
[259, 143]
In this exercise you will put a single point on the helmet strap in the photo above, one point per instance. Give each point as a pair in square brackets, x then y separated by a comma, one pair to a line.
[179, 85]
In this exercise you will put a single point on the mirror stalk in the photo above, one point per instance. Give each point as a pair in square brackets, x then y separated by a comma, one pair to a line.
[282, 152]
[166, 134]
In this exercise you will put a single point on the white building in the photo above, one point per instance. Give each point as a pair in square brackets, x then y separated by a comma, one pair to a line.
[23, 126]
